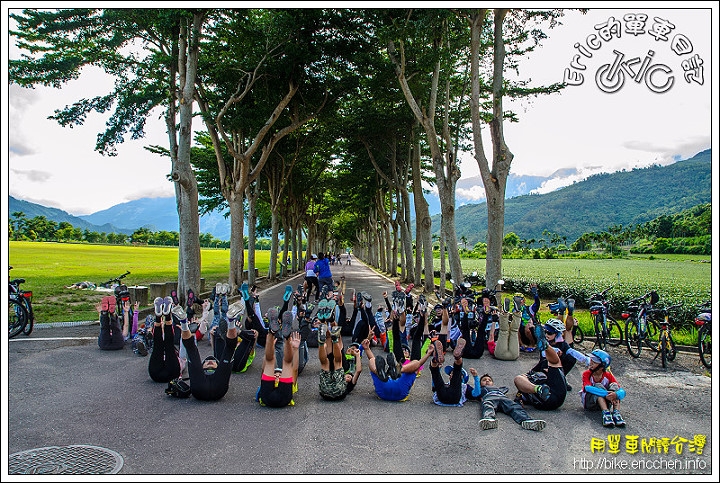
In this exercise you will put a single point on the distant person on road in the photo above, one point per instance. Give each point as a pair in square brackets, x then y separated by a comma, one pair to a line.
[311, 279]
[322, 269]
[164, 363]
[349, 258]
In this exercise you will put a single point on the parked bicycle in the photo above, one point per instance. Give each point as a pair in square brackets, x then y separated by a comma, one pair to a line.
[666, 344]
[703, 322]
[639, 328]
[20, 320]
[607, 330]
[114, 281]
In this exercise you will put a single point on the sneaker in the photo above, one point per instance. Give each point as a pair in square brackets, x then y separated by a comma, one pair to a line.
[570, 306]
[219, 288]
[517, 303]
[140, 347]
[422, 303]
[288, 293]
[335, 333]
[506, 303]
[226, 289]
[173, 295]
[287, 319]
[439, 354]
[190, 297]
[179, 313]
[533, 424]
[398, 301]
[562, 306]
[542, 342]
[543, 391]
[488, 423]
[459, 346]
[235, 311]
[618, 419]
[380, 368]
[273, 322]
[167, 305]
[322, 333]
[159, 305]
[607, 419]
[392, 366]
[244, 291]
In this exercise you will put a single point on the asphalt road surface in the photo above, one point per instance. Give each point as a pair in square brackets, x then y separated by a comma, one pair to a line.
[63, 391]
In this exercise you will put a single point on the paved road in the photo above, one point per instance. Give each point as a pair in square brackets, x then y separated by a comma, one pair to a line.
[62, 390]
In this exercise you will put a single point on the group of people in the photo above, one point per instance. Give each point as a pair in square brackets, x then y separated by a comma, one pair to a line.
[411, 334]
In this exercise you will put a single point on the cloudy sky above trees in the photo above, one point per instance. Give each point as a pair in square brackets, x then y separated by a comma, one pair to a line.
[656, 118]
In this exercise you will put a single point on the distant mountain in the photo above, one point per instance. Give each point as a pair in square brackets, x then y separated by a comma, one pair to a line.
[157, 214]
[596, 203]
[31, 210]
[600, 201]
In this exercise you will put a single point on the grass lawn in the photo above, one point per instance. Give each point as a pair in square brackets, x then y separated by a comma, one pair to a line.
[49, 267]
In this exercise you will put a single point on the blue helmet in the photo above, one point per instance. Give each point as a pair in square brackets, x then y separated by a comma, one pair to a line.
[601, 357]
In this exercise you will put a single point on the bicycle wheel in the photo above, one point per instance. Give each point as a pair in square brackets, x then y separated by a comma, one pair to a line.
[27, 330]
[671, 349]
[615, 332]
[652, 335]
[633, 340]
[704, 339]
[17, 318]
[578, 334]
[600, 332]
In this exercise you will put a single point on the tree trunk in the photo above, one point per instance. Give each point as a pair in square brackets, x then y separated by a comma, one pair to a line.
[236, 241]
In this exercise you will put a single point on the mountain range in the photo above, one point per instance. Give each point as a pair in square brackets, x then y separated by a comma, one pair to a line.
[594, 204]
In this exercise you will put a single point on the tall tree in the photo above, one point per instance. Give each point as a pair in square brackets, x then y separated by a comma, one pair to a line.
[489, 32]
[57, 45]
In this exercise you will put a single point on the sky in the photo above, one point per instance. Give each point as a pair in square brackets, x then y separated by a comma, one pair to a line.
[582, 127]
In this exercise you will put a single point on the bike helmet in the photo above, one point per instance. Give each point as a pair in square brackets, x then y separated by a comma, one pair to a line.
[209, 358]
[554, 326]
[601, 357]
[438, 307]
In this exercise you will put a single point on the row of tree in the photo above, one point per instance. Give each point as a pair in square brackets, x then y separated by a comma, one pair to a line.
[689, 231]
[331, 116]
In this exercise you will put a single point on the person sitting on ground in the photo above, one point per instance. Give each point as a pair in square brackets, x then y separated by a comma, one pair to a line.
[472, 328]
[140, 332]
[495, 398]
[526, 332]
[278, 384]
[209, 378]
[164, 363]
[562, 348]
[454, 392]
[335, 384]
[506, 348]
[545, 389]
[598, 375]
[112, 335]
[393, 389]
[218, 326]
